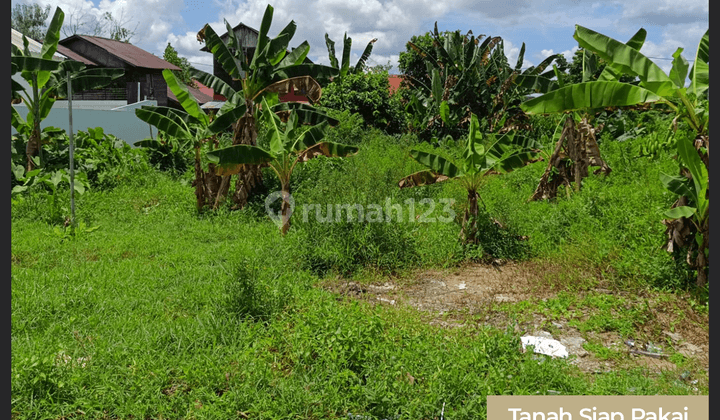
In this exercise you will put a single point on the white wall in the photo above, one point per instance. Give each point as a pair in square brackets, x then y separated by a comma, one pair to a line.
[123, 124]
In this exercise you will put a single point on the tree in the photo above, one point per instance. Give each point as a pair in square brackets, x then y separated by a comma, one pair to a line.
[107, 26]
[411, 63]
[191, 128]
[343, 67]
[29, 20]
[289, 145]
[171, 56]
[688, 223]
[462, 76]
[48, 79]
[482, 157]
[269, 72]
[369, 96]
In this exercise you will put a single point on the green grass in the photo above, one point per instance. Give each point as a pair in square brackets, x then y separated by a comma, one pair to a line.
[162, 312]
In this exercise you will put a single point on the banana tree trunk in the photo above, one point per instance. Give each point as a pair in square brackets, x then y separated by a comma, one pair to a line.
[33, 145]
[249, 179]
[701, 262]
[285, 209]
[469, 225]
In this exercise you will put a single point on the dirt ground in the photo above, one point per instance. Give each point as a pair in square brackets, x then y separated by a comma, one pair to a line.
[482, 294]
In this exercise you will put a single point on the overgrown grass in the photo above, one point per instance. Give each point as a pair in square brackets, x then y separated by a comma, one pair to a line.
[166, 313]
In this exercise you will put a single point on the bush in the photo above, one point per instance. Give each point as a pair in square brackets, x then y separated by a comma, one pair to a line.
[369, 96]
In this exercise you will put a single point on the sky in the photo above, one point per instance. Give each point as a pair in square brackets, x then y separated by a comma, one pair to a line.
[545, 26]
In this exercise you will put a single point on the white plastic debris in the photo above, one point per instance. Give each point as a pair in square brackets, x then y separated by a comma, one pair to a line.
[462, 286]
[545, 346]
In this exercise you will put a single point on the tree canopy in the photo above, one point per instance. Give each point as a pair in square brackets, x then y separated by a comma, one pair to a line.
[29, 19]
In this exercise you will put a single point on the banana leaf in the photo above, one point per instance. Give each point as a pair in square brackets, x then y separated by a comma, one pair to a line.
[296, 56]
[328, 149]
[418, 179]
[33, 64]
[589, 95]
[276, 49]
[364, 57]
[309, 137]
[164, 123]
[187, 101]
[229, 160]
[330, 44]
[345, 63]
[612, 72]
[222, 122]
[689, 157]
[679, 70]
[52, 36]
[221, 53]
[627, 60]
[436, 163]
[306, 114]
[262, 36]
[700, 72]
[322, 74]
[536, 83]
[213, 82]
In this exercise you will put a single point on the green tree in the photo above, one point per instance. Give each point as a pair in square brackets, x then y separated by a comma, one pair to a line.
[107, 26]
[269, 72]
[411, 63]
[191, 127]
[171, 56]
[343, 67]
[369, 96]
[29, 19]
[482, 156]
[48, 79]
[689, 220]
[289, 145]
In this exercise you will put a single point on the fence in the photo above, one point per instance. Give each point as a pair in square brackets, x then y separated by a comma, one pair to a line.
[115, 117]
[108, 94]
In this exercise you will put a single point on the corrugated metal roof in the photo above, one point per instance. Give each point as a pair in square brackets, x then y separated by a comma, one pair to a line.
[75, 56]
[213, 105]
[129, 53]
[34, 46]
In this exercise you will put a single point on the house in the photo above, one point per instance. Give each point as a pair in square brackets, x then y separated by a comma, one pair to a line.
[143, 78]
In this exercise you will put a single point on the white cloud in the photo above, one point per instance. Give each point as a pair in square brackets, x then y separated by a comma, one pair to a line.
[546, 26]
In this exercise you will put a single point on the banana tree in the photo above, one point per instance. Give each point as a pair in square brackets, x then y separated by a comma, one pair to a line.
[48, 79]
[693, 206]
[270, 71]
[481, 157]
[192, 127]
[654, 86]
[289, 145]
[343, 67]
[455, 86]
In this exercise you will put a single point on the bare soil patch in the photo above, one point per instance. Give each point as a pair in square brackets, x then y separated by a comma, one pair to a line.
[480, 294]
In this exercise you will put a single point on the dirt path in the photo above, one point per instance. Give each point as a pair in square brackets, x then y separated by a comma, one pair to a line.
[485, 294]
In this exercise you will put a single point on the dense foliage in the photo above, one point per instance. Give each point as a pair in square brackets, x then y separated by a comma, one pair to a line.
[153, 307]
[368, 95]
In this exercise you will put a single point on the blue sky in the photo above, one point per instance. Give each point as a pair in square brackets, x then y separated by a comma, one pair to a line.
[545, 26]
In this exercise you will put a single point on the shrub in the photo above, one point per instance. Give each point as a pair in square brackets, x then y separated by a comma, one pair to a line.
[369, 96]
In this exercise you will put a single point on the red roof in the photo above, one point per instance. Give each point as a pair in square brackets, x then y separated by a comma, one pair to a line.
[204, 89]
[126, 52]
[199, 95]
[394, 81]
